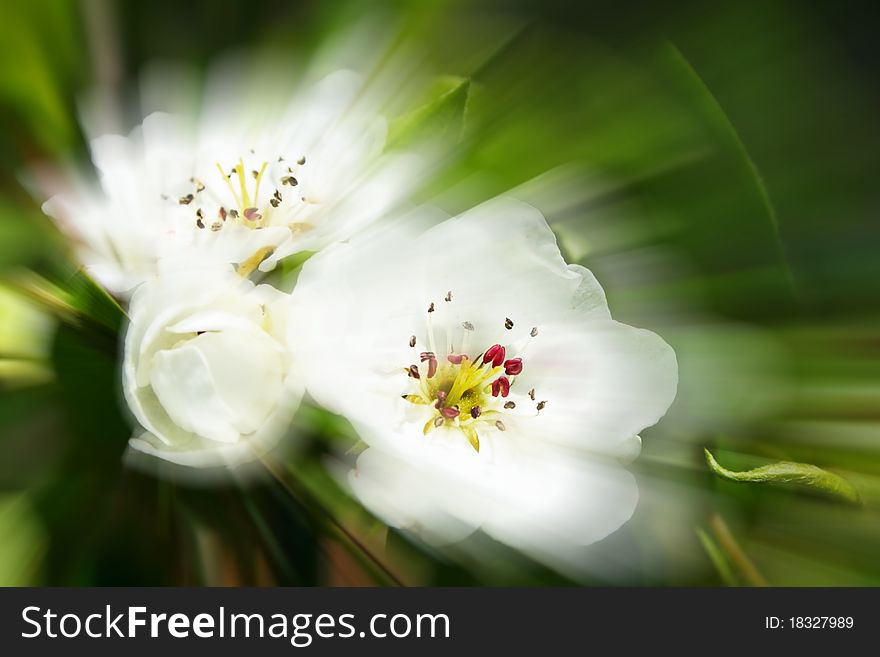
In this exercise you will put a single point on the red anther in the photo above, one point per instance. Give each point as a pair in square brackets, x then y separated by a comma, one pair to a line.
[476, 411]
[455, 359]
[426, 355]
[432, 367]
[513, 366]
[450, 412]
[414, 371]
[494, 354]
[501, 386]
[252, 214]
[441, 395]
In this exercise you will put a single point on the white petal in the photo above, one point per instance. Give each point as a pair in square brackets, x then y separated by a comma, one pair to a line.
[394, 491]
[184, 385]
[246, 372]
[242, 327]
[232, 244]
[500, 260]
[545, 504]
[370, 290]
[603, 382]
[194, 451]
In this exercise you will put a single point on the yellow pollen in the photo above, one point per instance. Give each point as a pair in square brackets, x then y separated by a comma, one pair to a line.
[464, 387]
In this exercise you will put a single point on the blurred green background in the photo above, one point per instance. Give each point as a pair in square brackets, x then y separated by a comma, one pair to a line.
[714, 164]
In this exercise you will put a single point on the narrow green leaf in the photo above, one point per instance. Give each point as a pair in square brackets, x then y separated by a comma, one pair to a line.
[440, 119]
[802, 475]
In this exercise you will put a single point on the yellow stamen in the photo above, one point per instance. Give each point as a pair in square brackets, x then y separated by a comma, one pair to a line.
[469, 376]
[245, 199]
[229, 184]
[259, 178]
[458, 385]
[471, 434]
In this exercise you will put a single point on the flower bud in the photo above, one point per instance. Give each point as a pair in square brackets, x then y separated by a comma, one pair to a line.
[206, 370]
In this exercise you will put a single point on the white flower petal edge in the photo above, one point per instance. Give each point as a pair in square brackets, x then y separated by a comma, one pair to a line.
[206, 370]
[241, 181]
[487, 377]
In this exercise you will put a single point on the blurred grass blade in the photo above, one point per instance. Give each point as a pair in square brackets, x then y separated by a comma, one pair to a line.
[737, 555]
[75, 299]
[43, 293]
[801, 475]
[94, 302]
[439, 120]
[716, 556]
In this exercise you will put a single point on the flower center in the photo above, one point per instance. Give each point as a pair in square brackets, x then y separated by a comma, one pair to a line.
[465, 393]
[236, 196]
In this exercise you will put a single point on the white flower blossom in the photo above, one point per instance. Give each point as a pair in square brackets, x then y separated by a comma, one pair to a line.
[242, 183]
[486, 376]
[207, 372]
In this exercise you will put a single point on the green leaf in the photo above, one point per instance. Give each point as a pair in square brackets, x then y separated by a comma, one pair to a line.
[441, 119]
[802, 475]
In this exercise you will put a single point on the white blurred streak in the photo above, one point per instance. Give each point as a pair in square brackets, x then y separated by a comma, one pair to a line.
[586, 210]
[366, 46]
[249, 473]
